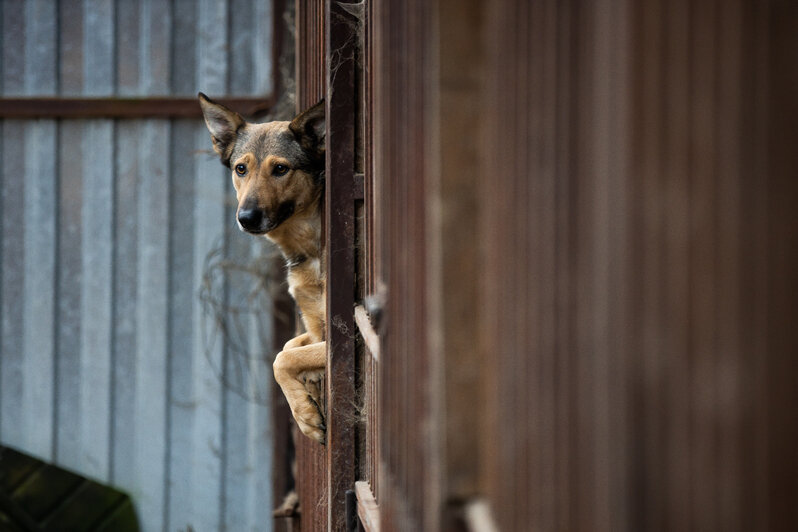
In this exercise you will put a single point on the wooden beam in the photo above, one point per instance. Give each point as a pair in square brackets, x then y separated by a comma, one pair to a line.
[339, 207]
[146, 107]
[367, 509]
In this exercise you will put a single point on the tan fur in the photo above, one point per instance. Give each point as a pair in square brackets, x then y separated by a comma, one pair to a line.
[298, 146]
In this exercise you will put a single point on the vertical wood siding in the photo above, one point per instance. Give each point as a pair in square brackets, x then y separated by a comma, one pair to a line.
[409, 452]
[110, 365]
[311, 458]
[633, 254]
[636, 265]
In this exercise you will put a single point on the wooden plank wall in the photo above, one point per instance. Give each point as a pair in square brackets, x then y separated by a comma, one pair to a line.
[311, 458]
[634, 186]
[637, 334]
[408, 481]
[110, 365]
[327, 44]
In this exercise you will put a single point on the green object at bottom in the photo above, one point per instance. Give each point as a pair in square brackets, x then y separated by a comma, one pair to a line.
[38, 497]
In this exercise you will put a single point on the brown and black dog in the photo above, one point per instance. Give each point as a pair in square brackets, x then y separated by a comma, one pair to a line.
[278, 174]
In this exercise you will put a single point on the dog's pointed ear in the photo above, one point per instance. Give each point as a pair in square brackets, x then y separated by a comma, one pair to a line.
[310, 129]
[223, 125]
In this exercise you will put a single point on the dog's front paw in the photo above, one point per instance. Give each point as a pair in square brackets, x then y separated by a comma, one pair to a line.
[310, 420]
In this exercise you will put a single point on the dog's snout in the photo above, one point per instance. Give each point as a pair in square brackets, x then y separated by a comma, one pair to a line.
[250, 219]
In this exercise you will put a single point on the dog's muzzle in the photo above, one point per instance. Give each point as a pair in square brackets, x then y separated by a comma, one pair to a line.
[252, 220]
[258, 222]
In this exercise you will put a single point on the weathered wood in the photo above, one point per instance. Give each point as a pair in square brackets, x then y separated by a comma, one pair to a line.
[453, 259]
[311, 458]
[340, 239]
[367, 508]
[368, 333]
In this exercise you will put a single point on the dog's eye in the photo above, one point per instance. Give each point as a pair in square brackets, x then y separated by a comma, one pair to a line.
[279, 169]
[241, 169]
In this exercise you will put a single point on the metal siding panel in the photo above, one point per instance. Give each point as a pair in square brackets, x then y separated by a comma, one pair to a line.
[98, 48]
[13, 38]
[124, 467]
[94, 416]
[70, 283]
[263, 78]
[207, 358]
[39, 288]
[124, 464]
[41, 73]
[155, 47]
[152, 310]
[128, 36]
[212, 57]
[2, 208]
[245, 411]
[235, 453]
[13, 276]
[183, 293]
[70, 47]
[241, 32]
[96, 311]
[184, 43]
[39, 317]
[209, 219]
[152, 321]
[36, 418]
[260, 495]
[100, 280]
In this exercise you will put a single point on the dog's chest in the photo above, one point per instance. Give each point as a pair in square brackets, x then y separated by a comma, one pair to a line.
[306, 285]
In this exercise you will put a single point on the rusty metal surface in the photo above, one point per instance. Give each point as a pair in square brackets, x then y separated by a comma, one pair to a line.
[150, 107]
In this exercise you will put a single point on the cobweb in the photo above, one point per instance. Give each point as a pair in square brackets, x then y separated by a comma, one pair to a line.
[238, 294]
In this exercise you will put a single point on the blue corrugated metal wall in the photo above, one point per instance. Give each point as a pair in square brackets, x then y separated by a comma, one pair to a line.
[109, 363]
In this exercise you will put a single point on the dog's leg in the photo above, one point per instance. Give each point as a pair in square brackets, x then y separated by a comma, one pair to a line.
[312, 380]
[287, 367]
[298, 341]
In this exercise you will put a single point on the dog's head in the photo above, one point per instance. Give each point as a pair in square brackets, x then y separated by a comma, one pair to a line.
[277, 167]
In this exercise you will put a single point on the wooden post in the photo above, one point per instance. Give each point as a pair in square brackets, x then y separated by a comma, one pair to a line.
[341, 41]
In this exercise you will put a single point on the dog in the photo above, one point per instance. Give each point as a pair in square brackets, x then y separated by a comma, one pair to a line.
[278, 174]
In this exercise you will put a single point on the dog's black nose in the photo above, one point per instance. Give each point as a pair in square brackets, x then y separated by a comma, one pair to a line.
[250, 219]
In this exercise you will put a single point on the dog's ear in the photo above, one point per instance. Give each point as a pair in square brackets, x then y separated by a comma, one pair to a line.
[310, 129]
[223, 125]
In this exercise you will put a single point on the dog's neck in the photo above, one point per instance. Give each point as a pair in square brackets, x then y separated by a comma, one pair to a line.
[299, 237]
